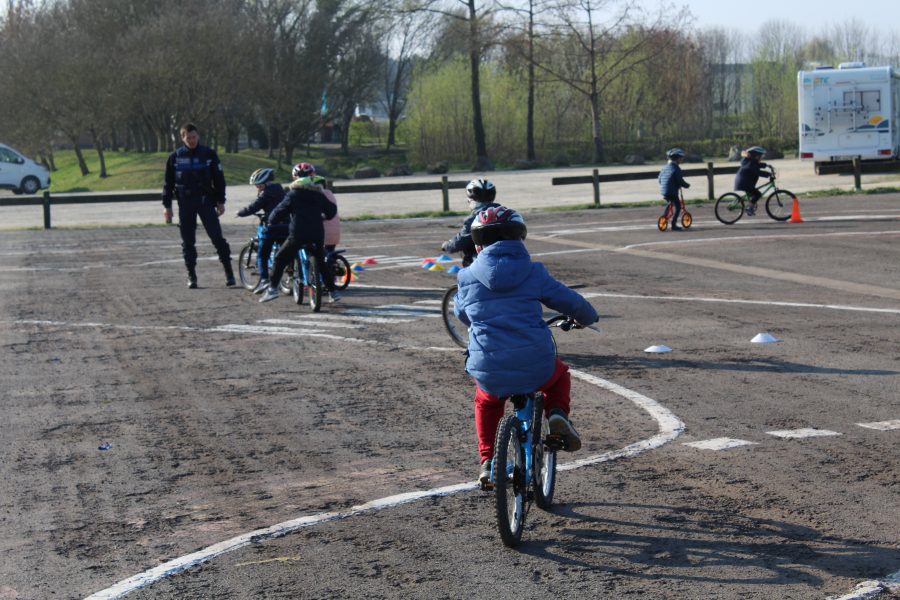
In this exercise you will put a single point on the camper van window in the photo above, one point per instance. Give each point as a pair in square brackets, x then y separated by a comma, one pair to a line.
[867, 101]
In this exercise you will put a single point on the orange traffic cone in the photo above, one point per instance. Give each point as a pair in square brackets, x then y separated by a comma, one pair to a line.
[795, 212]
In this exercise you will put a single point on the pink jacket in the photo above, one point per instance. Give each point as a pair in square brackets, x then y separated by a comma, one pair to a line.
[332, 226]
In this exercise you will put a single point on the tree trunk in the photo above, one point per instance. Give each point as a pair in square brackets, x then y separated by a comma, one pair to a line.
[392, 128]
[482, 162]
[597, 146]
[81, 164]
[98, 146]
[529, 125]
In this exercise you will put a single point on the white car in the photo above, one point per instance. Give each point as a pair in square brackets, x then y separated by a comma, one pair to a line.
[21, 174]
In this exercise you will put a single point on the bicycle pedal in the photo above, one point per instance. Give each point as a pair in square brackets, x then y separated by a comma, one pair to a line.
[555, 442]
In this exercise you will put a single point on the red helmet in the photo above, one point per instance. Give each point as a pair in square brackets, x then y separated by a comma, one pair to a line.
[303, 170]
[497, 223]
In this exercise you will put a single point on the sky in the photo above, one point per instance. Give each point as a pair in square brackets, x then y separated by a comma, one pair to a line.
[811, 15]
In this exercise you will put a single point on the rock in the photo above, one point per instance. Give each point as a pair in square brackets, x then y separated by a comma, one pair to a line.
[399, 171]
[734, 154]
[633, 159]
[438, 168]
[366, 173]
[525, 165]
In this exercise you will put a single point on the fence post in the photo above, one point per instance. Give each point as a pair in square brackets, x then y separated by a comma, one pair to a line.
[445, 190]
[711, 183]
[46, 210]
[596, 177]
[857, 174]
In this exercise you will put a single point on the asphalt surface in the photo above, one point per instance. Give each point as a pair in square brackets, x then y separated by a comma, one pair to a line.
[162, 442]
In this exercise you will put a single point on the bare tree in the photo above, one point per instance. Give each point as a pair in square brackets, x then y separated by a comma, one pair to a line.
[591, 53]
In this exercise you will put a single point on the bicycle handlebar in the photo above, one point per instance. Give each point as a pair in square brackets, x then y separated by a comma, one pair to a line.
[567, 323]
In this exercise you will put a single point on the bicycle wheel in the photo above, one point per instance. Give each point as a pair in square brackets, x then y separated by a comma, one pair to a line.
[509, 481]
[729, 208]
[247, 270]
[662, 223]
[779, 204]
[544, 458]
[297, 283]
[686, 219]
[341, 272]
[291, 271]
[314, 285]
[458, 331]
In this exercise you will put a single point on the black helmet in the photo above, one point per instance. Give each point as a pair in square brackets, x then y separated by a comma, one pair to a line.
[756, 151]
[675, 153]
[498, 223]
[481, 190]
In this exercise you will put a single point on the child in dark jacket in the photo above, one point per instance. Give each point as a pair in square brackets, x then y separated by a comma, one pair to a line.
[671, 180]
[511, 349]
[269, 195]
[480, 194]
[749, 173]
[306, 205]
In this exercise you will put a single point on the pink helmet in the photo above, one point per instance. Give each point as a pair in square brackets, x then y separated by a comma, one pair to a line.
[497, 223]
[303, 170]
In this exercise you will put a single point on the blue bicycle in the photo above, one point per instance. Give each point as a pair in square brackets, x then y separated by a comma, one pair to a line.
[304, 274]
[524, 464]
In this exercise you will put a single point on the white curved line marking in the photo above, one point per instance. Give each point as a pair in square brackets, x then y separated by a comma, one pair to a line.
[670, 427]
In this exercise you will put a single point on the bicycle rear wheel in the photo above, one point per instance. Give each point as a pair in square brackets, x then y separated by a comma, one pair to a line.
[314, 284]
[544, 458]
[729, 208]
[342, 274]
[297, 283]
[662, 223]
[247, 270]
[779, 204]
[509, 481]
[291, 272]
[458, 331]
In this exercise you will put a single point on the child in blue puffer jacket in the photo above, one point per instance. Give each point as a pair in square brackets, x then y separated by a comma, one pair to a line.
[511, 349]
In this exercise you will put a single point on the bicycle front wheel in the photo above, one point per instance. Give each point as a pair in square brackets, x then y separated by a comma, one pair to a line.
[729, 208]
[342, 274]
[779, 204]
[314, 285]
[247, 270]
[509, 481]
[686, 219]
[458, 331]
[297, 283]
[544, 458]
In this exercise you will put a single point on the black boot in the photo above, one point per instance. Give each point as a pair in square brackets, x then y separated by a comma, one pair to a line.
[229, 274]
[192, 278]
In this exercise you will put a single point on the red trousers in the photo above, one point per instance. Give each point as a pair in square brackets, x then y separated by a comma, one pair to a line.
[489, 408]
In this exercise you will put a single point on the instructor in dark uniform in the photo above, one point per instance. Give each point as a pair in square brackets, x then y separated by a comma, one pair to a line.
[194, 176]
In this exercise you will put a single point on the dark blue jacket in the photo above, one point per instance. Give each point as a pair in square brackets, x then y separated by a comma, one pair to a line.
[749, 174]
[307, 209]
[271, 196]
[511, 349]
[671, 180]
[194, 175]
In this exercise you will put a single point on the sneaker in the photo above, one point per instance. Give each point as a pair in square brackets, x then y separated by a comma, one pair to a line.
[271, 294]
[676, 228]
[192, 283]
[561, 425]
[229, 280]
[751, 211]
[262, 286]
[333, 297]
[484, 475]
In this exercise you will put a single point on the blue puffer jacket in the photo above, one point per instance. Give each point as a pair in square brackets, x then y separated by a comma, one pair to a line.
[511, 349]
[671, 180]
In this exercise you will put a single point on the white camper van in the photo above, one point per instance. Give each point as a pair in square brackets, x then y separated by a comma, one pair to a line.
[849, 112]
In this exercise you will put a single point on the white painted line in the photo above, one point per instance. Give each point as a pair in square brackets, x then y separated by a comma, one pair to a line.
[401, 288]
[410, 307]
[669, 427]
[390, 312]
[311, 321]
[882, 425]
[719, 444]
[756, 238]
[806, 432]
[892, 311]
[872, 588]
[285, 331]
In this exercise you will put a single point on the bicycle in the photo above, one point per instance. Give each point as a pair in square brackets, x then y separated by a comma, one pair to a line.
[730, 206]
[458, 330]
[305, 275]
[686, 219]
[248, 269]
[524, 465]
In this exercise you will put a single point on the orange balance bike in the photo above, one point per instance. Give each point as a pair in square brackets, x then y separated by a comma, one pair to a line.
[686, 218]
